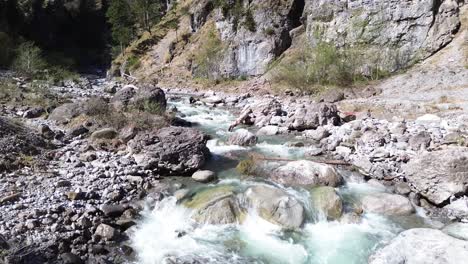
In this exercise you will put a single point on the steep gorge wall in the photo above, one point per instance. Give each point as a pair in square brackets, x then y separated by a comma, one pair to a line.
[255, 33]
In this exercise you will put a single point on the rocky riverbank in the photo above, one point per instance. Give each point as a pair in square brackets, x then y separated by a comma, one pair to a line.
[78, 197]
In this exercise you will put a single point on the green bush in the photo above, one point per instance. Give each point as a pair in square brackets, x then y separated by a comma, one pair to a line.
[325, 65]
[249, 21]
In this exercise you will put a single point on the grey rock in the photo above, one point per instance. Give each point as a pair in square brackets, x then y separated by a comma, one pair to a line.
[175, 150]
[305, 172]
[388, 204]
[420, 141]
[439, 174]
[268, 131]
[457, 230]
[275, 205]
[34, 112]
[402, 188]
[421, 246]
[70, 258]
[204, 176]
[66, 112]
[326, 203]
[313, 116]
[242, 137]
[106, 232]
[112, 210]
[317, 134]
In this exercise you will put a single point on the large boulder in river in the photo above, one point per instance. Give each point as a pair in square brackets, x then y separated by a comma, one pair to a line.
[439, 174]
[386, 203]
[242, 137]
[306, 172]
[216, 206]
[171, 150]
[275, 205]
[422, 246]
[313, 116]
[326, 202]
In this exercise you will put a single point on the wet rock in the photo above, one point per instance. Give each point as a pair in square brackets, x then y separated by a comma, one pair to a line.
[275, 205]
[242, 137]
[388, 204]
[457, 230]
[458, 209]
[105, 133]
[439, 174]
[174, 150]
[204, 176]
[216, 205]
[268, 131]
[421, 246]
[305, 172]
[106, 232]
[326, 202]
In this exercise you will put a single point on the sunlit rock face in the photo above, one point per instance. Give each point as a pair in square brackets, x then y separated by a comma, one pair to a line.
[396, 32]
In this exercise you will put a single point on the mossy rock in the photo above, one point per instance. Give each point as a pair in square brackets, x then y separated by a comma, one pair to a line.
[326, 202]
[217, 206]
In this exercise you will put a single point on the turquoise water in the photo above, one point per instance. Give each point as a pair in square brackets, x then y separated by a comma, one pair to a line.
[256, 240]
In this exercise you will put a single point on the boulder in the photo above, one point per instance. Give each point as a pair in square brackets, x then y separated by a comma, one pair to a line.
[422, 246]
[150, 98]
[122, 98]
[326, 202]
[34, 112]
[275, 205]
[17, 140]
[213, 99]
[305, 172]
[439, 174]
[242, 137]
[313, 116]
[457, 230]
[66, 112]
[420, 141]
[106, 232]
[172, 150]
[387, 204]
[268, 131]
[215, 206]
[145, 97]
[317, 134]
[204, 176]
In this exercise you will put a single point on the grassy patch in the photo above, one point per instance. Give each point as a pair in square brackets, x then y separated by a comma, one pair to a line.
[206, 60]
[324, 65]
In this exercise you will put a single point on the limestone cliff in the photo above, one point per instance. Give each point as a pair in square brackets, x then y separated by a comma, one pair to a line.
[239, 38]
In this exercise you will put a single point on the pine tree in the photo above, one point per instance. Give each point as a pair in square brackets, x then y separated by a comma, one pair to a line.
[148, 12]
[119, 15]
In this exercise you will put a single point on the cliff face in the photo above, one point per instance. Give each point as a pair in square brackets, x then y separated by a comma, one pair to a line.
[253, 34]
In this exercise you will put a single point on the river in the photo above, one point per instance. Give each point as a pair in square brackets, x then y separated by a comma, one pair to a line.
[167, 233]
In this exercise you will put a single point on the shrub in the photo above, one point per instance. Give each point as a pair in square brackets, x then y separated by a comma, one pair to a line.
[325, 65]
[269, 31]
[29, 59]
[247, 166]
[249, 21]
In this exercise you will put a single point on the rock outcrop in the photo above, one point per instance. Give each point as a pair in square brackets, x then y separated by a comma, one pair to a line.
[439, 174]
[175, 150]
